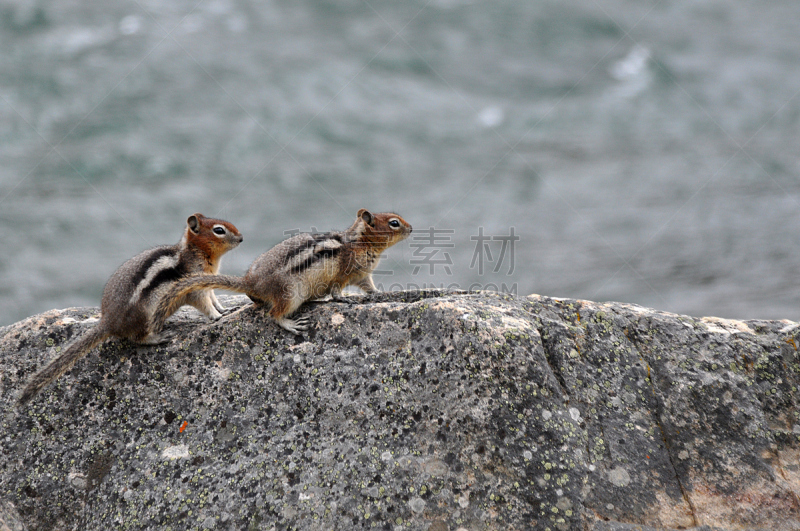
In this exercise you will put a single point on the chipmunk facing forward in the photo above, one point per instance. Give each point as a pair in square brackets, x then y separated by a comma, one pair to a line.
[131, 295]
[304, 267]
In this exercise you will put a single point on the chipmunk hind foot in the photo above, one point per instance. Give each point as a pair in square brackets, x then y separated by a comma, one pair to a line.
[159, 339]
[295, 326]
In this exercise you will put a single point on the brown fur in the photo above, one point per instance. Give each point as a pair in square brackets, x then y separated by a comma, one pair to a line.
[132, 293]
[206, 245]
[305, 267]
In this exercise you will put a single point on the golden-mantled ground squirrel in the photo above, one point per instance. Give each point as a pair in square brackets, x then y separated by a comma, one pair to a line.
[304, 267]
[133, 291]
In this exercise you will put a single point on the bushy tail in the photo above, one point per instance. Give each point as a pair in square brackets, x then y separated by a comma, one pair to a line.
[64, 362]
[174, 298]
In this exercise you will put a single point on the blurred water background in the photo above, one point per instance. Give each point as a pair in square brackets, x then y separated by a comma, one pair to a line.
[643, 151]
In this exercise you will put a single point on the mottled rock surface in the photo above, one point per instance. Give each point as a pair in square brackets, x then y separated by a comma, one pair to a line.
[431, 410]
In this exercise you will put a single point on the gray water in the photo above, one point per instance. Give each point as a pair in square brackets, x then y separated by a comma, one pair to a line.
[642, 151]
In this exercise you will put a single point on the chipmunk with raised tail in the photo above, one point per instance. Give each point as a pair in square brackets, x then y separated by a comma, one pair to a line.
[131, 295]
[305, 267]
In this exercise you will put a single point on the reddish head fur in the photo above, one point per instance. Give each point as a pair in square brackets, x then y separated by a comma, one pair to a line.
[379, 231]
[213, 237]
[371, 234]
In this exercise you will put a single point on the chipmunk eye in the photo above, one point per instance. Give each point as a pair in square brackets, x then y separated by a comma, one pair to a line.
[219, 230]
[393, 223]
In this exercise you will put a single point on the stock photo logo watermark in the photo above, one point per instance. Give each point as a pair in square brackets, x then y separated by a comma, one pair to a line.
[493, 255]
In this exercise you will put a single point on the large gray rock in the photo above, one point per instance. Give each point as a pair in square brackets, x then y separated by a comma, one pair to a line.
[426, 410]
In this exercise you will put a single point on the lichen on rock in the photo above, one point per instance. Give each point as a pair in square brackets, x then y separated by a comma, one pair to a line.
[412, 410]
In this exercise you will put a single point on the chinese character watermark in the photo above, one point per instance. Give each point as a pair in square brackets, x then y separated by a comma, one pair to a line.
[427, 246]
[294, 232]
[502, 288]
[483, 250]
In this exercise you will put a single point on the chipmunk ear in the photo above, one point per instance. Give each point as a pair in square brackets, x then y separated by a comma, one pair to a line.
[194, 223]
[366, 216]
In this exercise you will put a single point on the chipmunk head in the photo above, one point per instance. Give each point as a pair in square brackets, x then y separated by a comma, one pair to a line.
[386, 227]
[213, 236]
